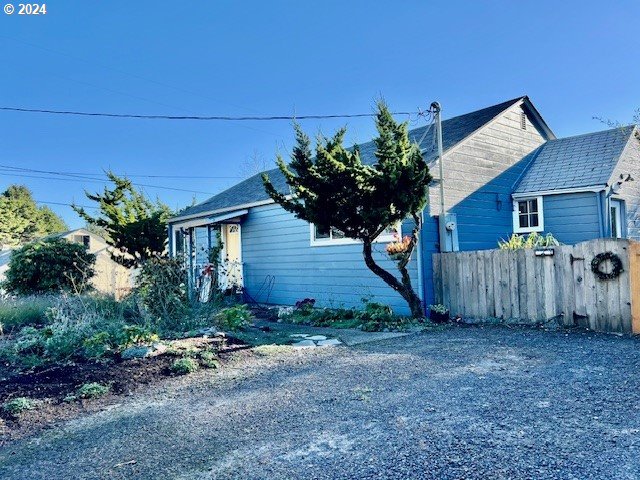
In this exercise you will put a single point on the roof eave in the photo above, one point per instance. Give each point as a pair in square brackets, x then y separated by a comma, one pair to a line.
[536, 115]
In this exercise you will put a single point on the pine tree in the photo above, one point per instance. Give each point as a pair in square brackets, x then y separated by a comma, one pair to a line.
[134, 226]
[336, 190]
[22, 221]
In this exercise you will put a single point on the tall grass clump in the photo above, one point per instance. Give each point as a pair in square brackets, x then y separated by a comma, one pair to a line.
[18, 312]
[533, 240]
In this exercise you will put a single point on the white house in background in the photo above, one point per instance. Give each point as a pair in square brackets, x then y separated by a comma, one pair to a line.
[110, 277]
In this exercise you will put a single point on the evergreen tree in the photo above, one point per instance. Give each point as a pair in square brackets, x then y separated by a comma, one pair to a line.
[132, 224]
[336, 190]
[22, 221]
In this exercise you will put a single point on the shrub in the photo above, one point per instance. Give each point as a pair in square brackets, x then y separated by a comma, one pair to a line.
[208, 359]
[49, 265]
[184, 366]
[233, 318]
[92, 390]
[161, 286]
[305, 305]
[18, 405]
[136, 335]
[533, 240]
[97, 345]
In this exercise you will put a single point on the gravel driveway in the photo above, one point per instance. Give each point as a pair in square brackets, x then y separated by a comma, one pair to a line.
[461, 403]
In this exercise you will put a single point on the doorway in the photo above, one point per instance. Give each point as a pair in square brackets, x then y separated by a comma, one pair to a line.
[232, 276]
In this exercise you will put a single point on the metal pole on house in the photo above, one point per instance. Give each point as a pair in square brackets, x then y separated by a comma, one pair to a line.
[442, 234]
[437, 111]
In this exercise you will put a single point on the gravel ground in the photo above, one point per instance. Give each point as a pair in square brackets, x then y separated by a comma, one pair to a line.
[470, 403]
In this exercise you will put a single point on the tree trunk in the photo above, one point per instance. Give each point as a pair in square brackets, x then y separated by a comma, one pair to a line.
[403, 286]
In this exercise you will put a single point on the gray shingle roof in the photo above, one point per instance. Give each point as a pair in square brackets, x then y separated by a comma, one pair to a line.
[454, 130]
[575, 162]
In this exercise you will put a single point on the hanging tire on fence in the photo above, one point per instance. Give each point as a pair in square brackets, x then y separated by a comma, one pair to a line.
[616, 266]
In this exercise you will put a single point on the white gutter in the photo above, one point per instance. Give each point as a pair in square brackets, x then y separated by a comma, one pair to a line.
[559, 191]
[208, 213]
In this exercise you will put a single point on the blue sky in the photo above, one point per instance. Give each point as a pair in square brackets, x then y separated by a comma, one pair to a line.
[576, 60]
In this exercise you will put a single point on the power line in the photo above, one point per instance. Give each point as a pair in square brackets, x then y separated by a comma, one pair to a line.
[66, 204]
[196, 117]
[207, 177]
[95, 180]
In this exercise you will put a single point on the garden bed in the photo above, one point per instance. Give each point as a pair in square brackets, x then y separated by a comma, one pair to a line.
[51, 387]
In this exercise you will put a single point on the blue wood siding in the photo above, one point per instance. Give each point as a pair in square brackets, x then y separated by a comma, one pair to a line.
[485, 216]
[429, 242]
[572, 217]
[276, 250]
[479, 176]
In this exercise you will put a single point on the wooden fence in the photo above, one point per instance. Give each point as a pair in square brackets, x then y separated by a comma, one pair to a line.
[531, 287]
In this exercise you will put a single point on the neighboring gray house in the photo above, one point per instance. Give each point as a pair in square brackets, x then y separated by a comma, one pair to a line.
[582, 187]
[496, 162]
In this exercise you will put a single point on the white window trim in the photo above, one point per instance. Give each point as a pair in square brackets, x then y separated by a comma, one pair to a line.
[516, 218]
[326, 242]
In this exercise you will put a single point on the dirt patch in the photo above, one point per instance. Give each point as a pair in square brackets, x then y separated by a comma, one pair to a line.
[49, 386]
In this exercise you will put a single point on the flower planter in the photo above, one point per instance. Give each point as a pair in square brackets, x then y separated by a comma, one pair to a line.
[396, 256]
[437, 317]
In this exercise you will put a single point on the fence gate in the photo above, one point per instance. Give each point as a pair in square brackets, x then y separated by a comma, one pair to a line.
[536, 286]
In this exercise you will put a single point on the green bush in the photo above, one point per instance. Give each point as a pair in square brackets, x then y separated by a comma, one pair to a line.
[18, 312]
[92, 390]
[233, 318]
[162, 292]
[50, 265]
[18, 405]
[136, 335]
[208, 359]
[184, 366]
[161, 287]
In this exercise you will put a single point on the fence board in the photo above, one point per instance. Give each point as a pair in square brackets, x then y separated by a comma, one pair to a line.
[520, 285]
[506, 286]
[497, 285]
[481, 286]
[634, 290]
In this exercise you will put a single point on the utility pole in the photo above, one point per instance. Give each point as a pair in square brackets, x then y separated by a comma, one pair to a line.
[437, 110]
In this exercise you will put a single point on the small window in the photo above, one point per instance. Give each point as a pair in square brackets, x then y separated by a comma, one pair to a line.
[523, 121]
[179, 239]
[83, 240]
[337, 237]
[616, 218]
[528, 215]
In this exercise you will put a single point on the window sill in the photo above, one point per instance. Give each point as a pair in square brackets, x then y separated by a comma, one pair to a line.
[529, 230]
[349, 241]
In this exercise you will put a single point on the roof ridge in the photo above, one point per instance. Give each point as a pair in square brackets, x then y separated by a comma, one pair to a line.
[629, 127]
[505, 103]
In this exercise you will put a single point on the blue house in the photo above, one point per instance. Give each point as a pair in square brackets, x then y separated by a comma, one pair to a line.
[504, 172]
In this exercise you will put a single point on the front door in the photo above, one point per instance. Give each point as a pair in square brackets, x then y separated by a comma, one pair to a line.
[232, 255]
